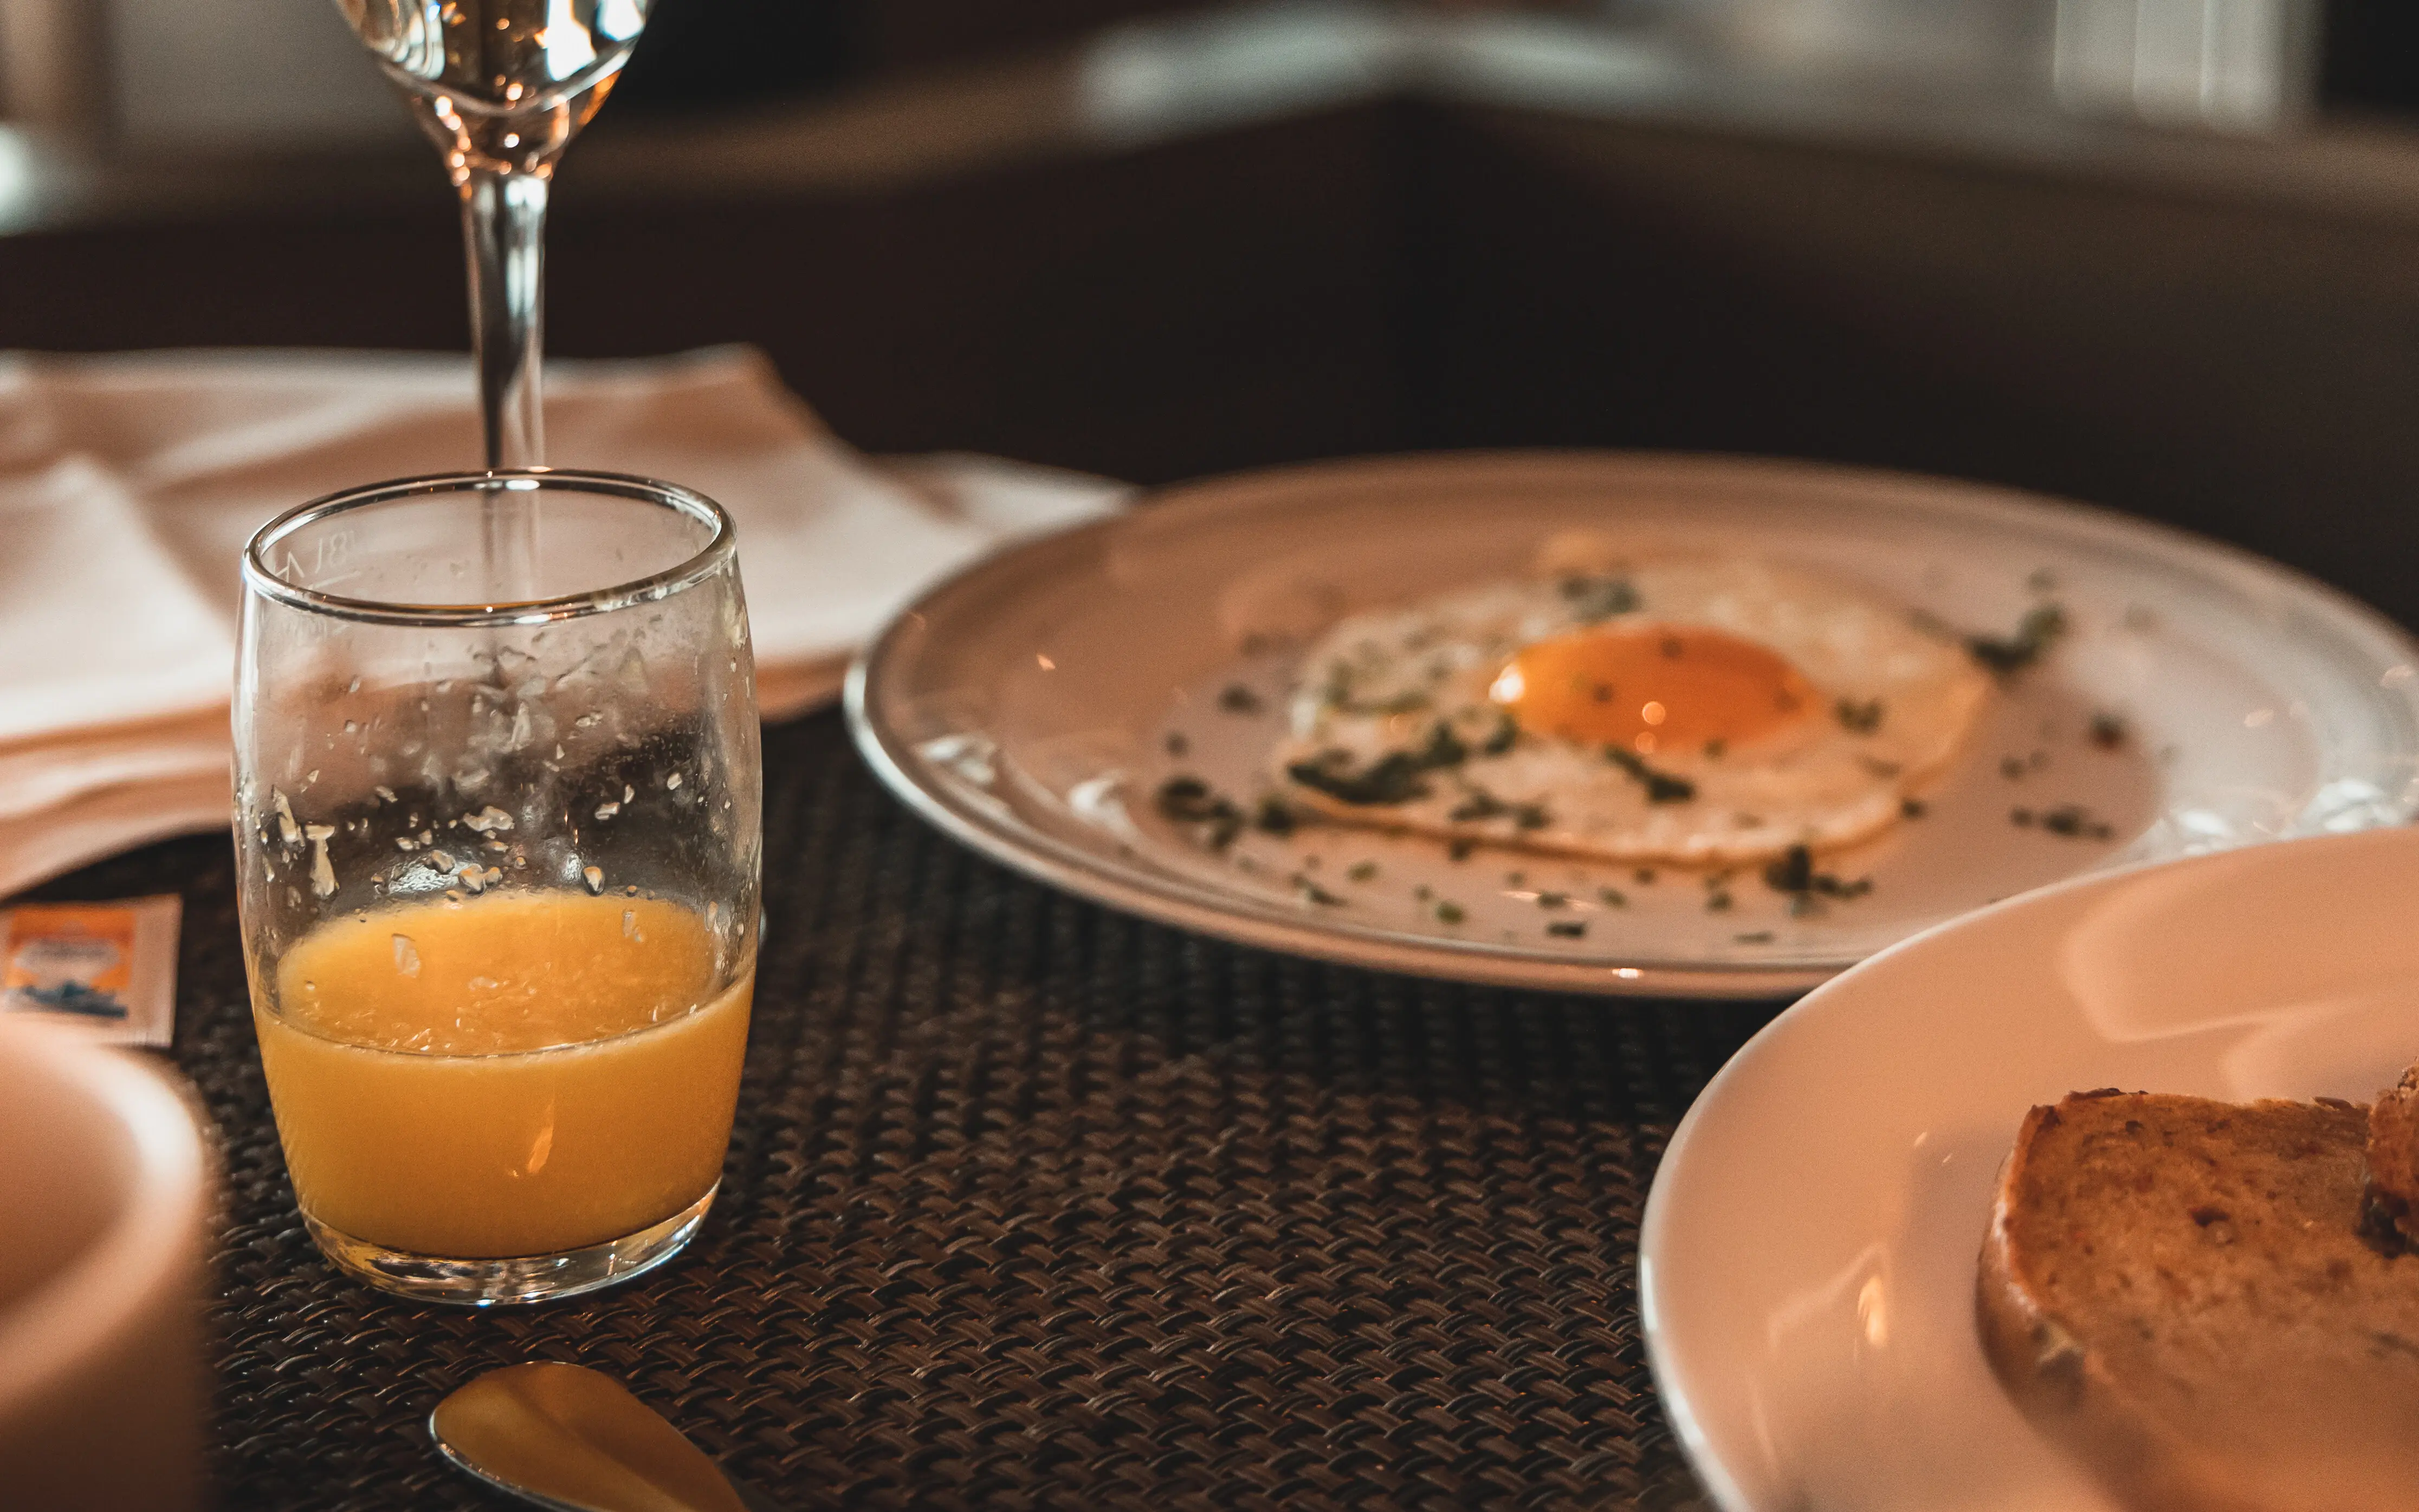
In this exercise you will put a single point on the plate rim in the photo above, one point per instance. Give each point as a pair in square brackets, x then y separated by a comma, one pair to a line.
[1050, 861]
[1672, 1386]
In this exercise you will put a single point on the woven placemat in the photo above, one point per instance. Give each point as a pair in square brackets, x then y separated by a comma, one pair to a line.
[1032, 1204]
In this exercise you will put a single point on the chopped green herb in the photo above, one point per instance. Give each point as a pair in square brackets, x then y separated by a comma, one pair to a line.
[1567, 928]
[1795, 875]
[1593, 599]
[1713, 749]
[2021, 817]
[1505, 734]
[1361, 872]
[1758, 937]
[1237, 699]
[1859, 718]
[1912, 808]
[1398, 777]
[1176, 743]
[1273, 817]
[1661, 787]
[2107, 731]
[1423, 893]
[1553, 900]
[1643, 876]
[1448, 912]
[1311, 892]
[2034, 633]
[2041, 580]
[2075, 822]
[1185, 799]
[2011, 768]
[1480, 804]
[1515, 878]
[1459, 849]
[1718, 903]
[1613, 897]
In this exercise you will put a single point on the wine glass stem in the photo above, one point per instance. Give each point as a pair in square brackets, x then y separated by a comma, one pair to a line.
[503, 224]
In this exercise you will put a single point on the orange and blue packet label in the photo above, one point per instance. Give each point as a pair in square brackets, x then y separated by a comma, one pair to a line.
[109, 969]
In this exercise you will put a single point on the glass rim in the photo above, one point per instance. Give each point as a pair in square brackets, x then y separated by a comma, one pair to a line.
[719, 547]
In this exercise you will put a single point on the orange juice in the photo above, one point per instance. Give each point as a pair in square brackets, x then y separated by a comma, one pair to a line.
[518, 1074]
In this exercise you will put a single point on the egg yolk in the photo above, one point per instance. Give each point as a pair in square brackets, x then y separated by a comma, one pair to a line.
[1648, 688]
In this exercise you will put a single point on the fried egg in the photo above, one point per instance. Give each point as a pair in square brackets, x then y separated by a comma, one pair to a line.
[1703, 712]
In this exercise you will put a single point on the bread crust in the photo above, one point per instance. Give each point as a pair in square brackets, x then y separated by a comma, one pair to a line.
[2057, 1372]
[2389, 1203]
[2058, 1384]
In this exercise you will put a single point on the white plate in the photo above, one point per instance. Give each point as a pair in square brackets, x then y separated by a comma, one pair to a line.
[1806, 1265]
[1025, 705]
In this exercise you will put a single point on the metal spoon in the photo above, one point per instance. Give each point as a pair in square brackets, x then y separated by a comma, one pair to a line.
[569, 1438]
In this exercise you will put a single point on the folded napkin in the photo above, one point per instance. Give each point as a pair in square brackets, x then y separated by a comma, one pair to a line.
[129, 485]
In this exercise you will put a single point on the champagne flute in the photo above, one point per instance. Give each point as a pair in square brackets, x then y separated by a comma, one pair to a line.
[502, 86]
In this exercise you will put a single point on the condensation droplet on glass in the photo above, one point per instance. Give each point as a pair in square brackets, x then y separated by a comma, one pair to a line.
[673, 782]
[488, 820]
[630, 925]
[354, 686]
[586, 721]
[351, 727]
[608, 809]
[593, 876]
[385, 794]
[631, 891]
[444, 863]
[323, 872]
[406, 956]
[473, 877]
[628, 792]
[287, 831]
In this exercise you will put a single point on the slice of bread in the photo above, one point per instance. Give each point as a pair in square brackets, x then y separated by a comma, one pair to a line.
[2179, 1291]
[2390, 1206]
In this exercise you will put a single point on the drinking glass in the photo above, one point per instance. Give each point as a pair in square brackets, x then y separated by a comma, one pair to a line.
[498, 858]
[502, 86]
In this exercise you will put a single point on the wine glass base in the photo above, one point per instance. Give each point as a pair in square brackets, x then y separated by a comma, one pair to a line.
[517, 1278]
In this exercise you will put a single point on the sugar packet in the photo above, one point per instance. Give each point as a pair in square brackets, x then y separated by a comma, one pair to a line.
[107, 969]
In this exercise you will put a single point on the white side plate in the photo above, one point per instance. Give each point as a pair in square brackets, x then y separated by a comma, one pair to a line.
[1806, 1261]
[1028, 705]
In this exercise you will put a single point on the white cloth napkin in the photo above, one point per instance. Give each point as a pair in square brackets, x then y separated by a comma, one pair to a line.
[130, 483]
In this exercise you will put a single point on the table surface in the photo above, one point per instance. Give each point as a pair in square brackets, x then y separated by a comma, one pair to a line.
[1032, 1204]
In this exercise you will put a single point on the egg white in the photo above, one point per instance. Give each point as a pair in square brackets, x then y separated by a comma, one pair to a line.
[1391, 724]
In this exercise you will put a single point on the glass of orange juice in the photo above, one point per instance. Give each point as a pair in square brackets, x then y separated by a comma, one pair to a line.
[497, 810]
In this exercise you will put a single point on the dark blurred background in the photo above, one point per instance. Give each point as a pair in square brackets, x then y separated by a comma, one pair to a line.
[2159, 254]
